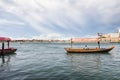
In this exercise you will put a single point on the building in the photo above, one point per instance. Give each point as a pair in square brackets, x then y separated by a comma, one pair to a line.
[113, 37]
[84, 40]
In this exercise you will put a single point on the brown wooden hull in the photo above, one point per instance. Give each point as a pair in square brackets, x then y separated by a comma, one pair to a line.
[8, 50]
[88, 50]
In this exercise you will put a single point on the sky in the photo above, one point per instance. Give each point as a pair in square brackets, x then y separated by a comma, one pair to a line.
[58, 19]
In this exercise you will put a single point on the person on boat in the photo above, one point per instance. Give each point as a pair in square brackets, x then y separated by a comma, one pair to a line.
[99, 44]
[86, 47]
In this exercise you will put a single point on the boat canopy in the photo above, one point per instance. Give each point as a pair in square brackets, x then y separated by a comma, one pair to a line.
[5, 39]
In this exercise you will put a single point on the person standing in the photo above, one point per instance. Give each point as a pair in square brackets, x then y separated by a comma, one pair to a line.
[99, 44]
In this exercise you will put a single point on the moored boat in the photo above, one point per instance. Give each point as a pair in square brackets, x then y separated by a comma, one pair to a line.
[88, 50]
[8, 49]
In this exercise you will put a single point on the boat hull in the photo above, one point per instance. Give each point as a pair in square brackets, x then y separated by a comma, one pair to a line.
[88, 50]
[8, 50]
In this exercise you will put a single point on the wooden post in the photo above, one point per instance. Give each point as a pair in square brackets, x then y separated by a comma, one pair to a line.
[2, 53]
[71, 42]
[99, 39]
[8, 44]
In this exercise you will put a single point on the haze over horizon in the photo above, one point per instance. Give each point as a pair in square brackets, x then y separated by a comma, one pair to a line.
[58, 19]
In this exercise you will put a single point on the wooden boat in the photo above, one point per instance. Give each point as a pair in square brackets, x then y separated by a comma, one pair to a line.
[88, 50]
[8, 49]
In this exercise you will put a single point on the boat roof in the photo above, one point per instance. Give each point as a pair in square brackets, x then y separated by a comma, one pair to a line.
[5, 39]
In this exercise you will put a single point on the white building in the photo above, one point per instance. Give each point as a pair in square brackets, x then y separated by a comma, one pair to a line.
[119, 30]
[113, 35]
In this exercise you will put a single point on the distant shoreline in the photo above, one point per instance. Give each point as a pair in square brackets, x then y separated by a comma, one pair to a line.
[64, 41]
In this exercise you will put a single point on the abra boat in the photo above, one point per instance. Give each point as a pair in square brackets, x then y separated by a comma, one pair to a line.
[8, 49]
[88, 50]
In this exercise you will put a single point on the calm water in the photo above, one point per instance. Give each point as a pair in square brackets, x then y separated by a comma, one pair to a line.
[49, 61]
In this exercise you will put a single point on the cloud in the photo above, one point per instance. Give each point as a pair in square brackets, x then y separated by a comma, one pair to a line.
[8, 22]
[66, 17]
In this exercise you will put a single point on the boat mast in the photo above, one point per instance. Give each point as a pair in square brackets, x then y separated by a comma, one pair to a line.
[71, 42]
[99, 39]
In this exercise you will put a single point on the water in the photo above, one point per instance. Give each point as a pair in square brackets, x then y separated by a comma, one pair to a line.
[49, 61]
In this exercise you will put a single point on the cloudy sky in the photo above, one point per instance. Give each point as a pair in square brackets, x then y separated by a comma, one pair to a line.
[57, 19]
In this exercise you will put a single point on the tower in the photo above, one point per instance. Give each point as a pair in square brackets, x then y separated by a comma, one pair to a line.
[119, 30]
[119, 34]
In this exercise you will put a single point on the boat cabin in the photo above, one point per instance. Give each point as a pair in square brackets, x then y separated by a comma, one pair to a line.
[8, 49]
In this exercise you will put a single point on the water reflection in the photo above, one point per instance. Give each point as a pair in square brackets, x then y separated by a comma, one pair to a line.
[115, 53]
[87, 61]
[5, 61]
